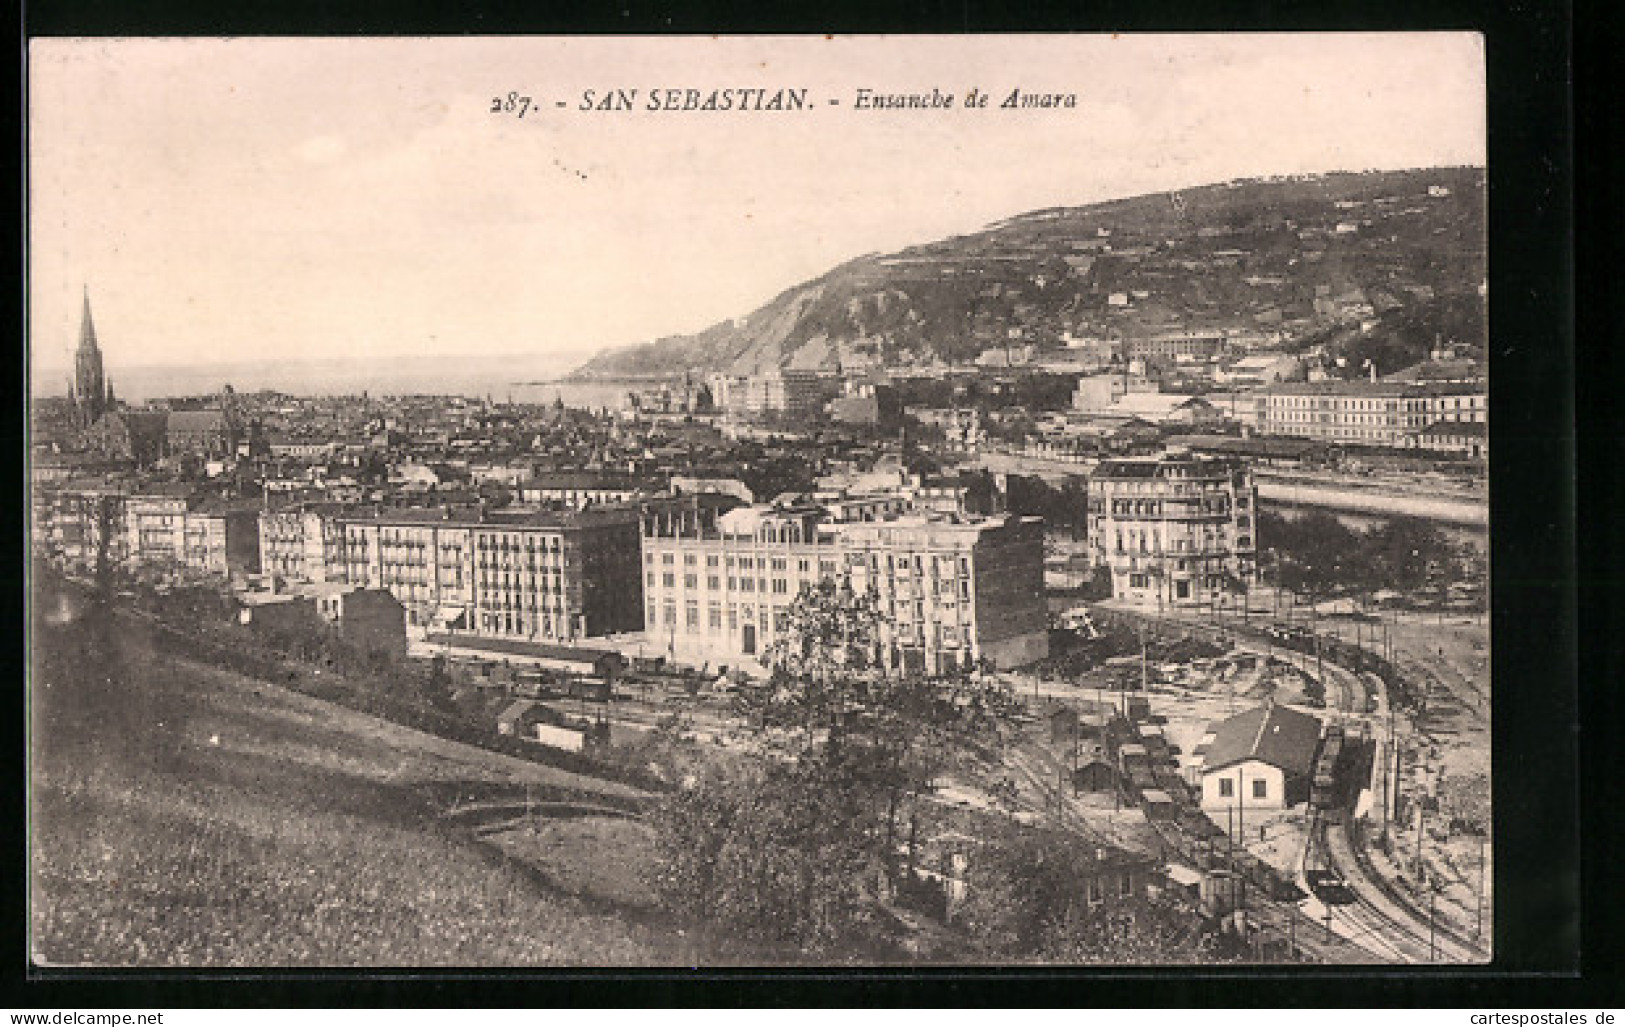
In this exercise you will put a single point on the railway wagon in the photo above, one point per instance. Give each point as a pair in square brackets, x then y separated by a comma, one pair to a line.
[1324, 790]
[537, 684]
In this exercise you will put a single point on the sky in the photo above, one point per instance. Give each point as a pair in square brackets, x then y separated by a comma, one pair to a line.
[288, 200]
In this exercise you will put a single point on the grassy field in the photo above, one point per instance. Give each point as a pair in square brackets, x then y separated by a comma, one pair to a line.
[185, 816]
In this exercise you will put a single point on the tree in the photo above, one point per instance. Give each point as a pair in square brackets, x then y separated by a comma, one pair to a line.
[785, 854]
[436, 686]
[826, 652]
[1027, 899]
[1313, 551]
[876, 742]
[1134, 931]
[1401, 553]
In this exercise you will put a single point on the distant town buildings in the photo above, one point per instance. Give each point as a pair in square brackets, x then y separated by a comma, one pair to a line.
[151, 526]
[783, 392]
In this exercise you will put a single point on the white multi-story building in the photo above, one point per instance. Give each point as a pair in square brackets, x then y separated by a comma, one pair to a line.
[1366, 413]
[1173, 530]
[178, 530]
[542, 577]
[298, 543]
[718, 586]
[783, 391]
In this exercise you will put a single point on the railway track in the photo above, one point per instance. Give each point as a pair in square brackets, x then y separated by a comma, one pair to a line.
[1373, 915]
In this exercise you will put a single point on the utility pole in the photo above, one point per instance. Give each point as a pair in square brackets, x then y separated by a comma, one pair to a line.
[1241, 806]
[1433, 894]
[1144, 673]
[1478, 906]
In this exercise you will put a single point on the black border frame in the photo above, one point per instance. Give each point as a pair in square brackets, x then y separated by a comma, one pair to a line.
[1534, 485]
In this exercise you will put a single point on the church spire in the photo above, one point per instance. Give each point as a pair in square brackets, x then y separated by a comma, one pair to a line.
[87, 327]
[89, 385]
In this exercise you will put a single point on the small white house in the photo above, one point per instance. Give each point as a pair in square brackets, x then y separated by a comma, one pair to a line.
[1262, 758]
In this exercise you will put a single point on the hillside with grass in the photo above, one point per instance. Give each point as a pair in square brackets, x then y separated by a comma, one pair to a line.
[185, 815]
[1306, 253]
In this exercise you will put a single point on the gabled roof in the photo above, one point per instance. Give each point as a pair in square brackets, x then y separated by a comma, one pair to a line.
[517, 711]
[1155, 404]
[1277, 735]
[198, 420]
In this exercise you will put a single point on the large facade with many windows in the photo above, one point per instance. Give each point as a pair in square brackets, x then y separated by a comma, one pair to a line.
[546, 577]
[718, 586]
[1176, 531]
[1366, 413]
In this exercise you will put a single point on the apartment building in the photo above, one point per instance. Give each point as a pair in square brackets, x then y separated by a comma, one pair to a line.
[718, 584]
[69, 524]
[783, 391]
[1173, 530]
[1174, 347]
[299, 543]
[1366, 413]
[550, 577]
[176, 529]
[581, 489]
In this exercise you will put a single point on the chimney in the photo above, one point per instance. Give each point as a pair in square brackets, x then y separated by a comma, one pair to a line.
[1373, 372]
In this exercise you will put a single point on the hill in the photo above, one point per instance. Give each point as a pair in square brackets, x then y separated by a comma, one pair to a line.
[1295, 254]
[183, 815]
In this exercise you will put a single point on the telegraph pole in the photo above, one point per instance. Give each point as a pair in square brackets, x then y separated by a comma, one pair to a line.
[1478, 906]
[1241, 806]
[1433, 895]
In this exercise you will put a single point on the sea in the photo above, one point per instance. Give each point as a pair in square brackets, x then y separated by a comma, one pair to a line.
[501, 379]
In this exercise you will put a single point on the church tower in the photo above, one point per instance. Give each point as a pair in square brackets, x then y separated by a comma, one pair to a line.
[90, 387]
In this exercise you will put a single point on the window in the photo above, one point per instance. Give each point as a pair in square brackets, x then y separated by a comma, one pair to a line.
[713, 582]
[1261, 789]
[669, 579]
[1227, 787]
[1137, 581]
[690, 581]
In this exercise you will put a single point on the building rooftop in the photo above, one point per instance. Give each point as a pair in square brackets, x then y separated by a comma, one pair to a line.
[198, 420]
[518, 647]
[1457, 429]
[1379, 390]
[1126, 468]
[1278, 735]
